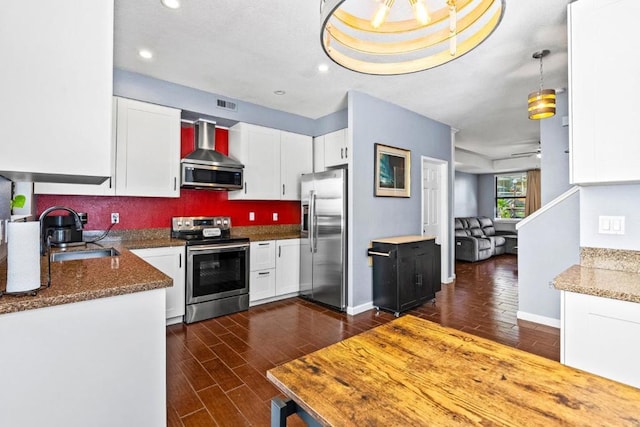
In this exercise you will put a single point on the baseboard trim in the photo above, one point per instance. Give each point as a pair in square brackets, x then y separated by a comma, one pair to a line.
[449, 279]
[536, 318]
[360, 308]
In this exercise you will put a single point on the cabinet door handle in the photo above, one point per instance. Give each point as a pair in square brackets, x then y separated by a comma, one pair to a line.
[264, 273]
[245, 187]
[279, 251]
[179, 260]
[342, 153]
[283, 189]
[264, 244]
[110, 182]
[175, 183]
[345, 152]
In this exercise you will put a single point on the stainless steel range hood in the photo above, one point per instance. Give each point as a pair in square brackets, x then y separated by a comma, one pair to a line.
[207, 168]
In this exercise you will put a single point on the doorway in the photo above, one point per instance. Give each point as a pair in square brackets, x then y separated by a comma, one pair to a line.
[435, 212]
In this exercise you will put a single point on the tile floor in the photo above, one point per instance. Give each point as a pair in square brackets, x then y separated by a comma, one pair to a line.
[216, 368]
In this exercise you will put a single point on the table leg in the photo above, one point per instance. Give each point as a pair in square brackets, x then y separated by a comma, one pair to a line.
[281, 409]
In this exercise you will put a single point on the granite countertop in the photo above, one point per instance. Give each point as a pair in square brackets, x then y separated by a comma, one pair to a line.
[615, 284]
[83, 280]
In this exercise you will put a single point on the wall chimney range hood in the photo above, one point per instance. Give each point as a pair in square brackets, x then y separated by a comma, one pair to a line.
[207, 168]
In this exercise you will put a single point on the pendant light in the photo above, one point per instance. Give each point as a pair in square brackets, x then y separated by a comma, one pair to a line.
[388, 37]
[542, 103]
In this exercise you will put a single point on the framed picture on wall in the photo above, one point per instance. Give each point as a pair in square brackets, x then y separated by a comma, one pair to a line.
[392, 172]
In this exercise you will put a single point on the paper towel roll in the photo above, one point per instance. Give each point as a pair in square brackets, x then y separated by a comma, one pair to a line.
[23, 256]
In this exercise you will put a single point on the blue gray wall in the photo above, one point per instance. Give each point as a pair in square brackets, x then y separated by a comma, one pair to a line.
[486, 195]
[554, 141]
[371, 121]
[466, 195]
[144, 88]
[615, 200]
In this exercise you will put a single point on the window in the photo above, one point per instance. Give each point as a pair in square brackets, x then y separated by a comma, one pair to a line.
[511, 193]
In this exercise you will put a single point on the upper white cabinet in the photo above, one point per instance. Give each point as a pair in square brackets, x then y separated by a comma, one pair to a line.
[295, 160]
[146, 153]
[258, 149]
[148, 150]
[169, 260]
[56, 83]
[604, 129]
[331, 150]
[273, 162]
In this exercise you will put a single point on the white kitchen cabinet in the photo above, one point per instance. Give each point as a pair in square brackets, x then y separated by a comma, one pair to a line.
[287, 266]
[336, 149]
[603, 128]
[273, 162]
[148, 150]
[258, 149]
[56, 83]
[295, 160]
[599, 335]
[262, 255]
[170, 260]
[262, 276]
[275, 270]
[145, 151]
[107, 188]
[318, 154]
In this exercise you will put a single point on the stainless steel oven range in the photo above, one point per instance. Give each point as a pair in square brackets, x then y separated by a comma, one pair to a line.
[217, 281]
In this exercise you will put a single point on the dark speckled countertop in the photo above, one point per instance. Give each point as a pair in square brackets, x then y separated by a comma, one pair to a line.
[83, 280]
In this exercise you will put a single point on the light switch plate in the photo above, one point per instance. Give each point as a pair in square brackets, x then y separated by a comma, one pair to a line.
[611, 224]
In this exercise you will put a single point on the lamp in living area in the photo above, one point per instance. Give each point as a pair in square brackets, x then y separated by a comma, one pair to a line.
[542, 102]
[387, 37]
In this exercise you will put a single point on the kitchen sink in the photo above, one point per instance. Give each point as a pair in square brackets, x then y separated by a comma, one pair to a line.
[87, 254]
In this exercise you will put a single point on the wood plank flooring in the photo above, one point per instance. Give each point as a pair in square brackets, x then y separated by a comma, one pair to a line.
[216, 368]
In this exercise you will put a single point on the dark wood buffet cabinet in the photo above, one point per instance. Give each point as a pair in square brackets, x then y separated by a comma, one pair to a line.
[406, 272]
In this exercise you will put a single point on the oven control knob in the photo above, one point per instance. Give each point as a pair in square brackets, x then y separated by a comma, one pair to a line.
[187, 223]
[179, 224]
[218, 222]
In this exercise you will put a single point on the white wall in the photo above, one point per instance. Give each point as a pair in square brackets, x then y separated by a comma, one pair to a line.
[466, 195]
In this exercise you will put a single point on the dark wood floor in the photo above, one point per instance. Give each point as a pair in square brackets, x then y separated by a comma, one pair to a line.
[216, 368]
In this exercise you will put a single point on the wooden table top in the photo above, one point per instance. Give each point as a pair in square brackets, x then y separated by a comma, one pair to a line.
[414, 372]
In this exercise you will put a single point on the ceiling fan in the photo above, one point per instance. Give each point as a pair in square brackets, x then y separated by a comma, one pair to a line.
[537, 152]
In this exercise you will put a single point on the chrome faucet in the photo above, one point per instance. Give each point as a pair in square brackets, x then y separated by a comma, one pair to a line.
[44, 240]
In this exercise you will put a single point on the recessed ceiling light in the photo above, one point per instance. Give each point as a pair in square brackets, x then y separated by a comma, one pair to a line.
[145, 53]
[279, 92]
[171, 4]
[323, 68]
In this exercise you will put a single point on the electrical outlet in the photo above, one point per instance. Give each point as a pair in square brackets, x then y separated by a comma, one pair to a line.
[115, 218]
[252, 216]
[275, 216]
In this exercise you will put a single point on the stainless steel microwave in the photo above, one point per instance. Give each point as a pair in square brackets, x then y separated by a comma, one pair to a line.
[211, 177]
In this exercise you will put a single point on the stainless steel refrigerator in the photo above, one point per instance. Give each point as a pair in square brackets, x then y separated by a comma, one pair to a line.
[323, 252]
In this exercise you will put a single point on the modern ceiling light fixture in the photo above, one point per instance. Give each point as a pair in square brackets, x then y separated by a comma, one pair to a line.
[388, 37]
[542, 103]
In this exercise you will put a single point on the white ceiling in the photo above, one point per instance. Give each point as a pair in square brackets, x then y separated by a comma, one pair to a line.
[246, 50]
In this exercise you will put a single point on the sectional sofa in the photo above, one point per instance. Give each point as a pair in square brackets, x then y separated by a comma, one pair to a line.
[477, 239]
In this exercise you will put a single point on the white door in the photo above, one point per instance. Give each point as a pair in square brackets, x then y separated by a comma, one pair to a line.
[432, 199]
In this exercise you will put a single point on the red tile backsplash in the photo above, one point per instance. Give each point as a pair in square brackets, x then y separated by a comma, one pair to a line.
[153, 212]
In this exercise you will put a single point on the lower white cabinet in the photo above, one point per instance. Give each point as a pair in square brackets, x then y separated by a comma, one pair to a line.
[275, 270]
[170, 260]
[600, 335]
[287, 266]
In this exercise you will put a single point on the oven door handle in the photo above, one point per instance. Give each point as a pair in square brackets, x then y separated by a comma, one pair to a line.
[216, 247]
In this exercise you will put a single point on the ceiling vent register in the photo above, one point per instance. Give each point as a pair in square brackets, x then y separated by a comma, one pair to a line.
[227, 105]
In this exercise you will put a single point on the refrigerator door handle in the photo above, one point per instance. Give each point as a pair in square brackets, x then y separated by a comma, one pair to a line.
[312, 209]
